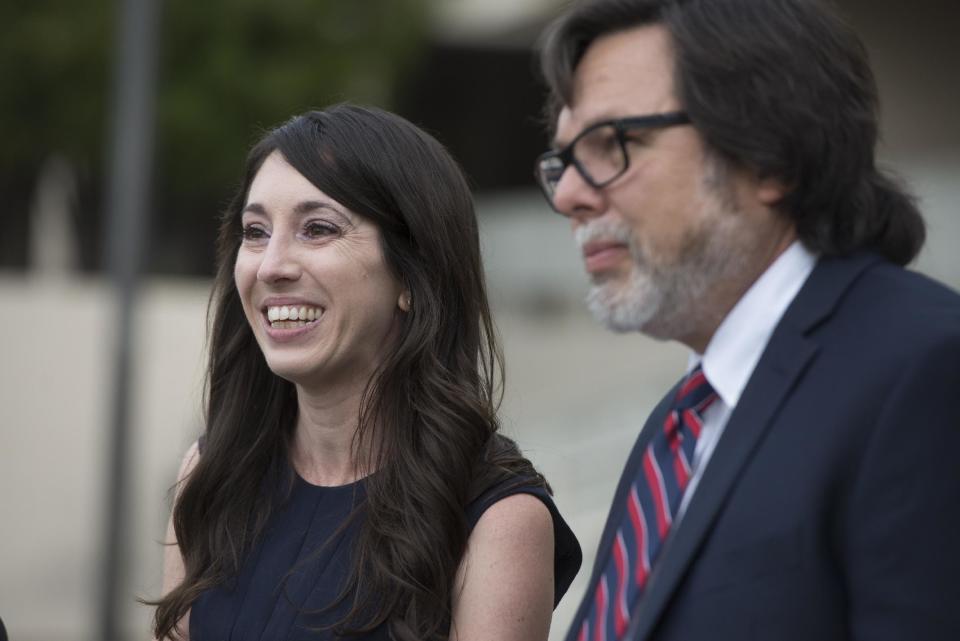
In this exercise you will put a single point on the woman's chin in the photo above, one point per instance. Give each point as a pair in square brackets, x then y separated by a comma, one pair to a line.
[295, 372]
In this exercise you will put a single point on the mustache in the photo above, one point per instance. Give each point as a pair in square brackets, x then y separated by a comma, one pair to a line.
[603, 230]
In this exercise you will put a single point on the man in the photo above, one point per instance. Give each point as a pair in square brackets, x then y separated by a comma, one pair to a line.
[716, 161]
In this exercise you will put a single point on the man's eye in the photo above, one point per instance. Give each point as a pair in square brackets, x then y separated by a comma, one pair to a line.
[640, 138]
[599, 143]
[608, 142]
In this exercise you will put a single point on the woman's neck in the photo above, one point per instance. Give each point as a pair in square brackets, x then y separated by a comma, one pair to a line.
[324, 448]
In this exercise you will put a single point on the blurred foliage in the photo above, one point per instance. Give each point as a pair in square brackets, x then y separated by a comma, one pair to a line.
[54, 66]
[229, 66]
[227, 70]
[54, 59]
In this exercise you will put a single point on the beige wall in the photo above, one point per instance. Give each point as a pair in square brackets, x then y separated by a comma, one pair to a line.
[54, 399]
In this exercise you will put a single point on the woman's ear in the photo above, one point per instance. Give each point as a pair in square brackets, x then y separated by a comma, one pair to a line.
[404, 301]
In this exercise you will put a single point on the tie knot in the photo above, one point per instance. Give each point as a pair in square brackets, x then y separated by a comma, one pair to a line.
[695, 393]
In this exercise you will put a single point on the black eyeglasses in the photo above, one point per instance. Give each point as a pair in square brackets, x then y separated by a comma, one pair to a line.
[599, 152]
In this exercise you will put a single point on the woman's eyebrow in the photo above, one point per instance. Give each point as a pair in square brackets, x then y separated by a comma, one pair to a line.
[308, 206]
[255, 208]
[303, 207]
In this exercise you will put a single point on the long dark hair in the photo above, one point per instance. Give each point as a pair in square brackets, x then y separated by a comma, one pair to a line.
[781, 87]
[430, 409]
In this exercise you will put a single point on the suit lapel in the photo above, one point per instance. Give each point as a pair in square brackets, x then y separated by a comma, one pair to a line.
[781, 365]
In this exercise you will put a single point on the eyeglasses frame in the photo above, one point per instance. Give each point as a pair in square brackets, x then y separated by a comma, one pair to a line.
[621, 126]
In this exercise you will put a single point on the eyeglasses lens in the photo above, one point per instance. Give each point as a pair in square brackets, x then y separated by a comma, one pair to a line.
[597, 154]
[600, 154]
[549, 172]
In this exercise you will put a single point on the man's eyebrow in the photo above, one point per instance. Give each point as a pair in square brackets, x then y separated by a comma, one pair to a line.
[557, 144]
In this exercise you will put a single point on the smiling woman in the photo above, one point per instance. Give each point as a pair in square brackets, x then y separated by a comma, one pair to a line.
[304, 252]
[350, 479]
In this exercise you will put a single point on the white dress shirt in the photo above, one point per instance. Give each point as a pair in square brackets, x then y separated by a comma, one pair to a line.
[737, 345]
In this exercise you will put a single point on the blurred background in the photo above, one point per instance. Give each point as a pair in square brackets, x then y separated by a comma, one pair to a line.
[76, 547]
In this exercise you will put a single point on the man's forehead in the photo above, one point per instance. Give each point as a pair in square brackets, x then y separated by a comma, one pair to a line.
[625, 73]
[563, 125]
[572, 119]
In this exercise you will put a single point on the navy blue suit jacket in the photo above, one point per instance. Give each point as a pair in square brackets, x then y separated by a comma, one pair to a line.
[830, 509]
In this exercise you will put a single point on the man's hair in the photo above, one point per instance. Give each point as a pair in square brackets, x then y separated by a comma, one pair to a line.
[780, 87]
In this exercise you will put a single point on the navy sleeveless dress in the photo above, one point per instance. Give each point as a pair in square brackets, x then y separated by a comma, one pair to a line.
[297, 569]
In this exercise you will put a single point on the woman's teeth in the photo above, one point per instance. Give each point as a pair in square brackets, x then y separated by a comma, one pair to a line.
[289, 324]
[289, 316]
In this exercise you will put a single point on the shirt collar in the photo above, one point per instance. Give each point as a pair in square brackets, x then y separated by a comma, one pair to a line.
[736, 346]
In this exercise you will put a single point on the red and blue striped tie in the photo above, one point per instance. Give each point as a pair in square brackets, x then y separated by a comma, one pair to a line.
[652, 503]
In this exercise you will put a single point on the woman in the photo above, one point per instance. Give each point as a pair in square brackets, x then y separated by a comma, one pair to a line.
[351, 478]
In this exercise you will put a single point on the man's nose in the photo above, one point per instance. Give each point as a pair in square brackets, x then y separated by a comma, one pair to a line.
[575, 198]
[279, 261]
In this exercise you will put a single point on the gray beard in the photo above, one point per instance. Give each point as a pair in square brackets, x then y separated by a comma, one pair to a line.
[673, 301]
[626, 308]
[662, 303]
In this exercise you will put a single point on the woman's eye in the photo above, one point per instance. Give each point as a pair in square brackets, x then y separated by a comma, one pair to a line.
[319, 229]
[253, 233]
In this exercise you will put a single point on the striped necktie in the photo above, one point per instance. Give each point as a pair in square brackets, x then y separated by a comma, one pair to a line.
[651, 505]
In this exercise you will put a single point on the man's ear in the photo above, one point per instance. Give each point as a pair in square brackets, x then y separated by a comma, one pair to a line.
[770, 190]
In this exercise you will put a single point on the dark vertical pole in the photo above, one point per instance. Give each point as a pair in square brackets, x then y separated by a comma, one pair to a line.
[131, 150]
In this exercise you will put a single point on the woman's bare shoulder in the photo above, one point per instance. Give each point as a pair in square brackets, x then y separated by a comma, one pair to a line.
[189, 462]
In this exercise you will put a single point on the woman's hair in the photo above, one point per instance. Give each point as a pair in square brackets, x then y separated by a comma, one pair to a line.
[780, 87]
[428, 415]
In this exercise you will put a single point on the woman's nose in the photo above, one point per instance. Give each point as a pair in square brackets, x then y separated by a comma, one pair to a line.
[279, 262]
